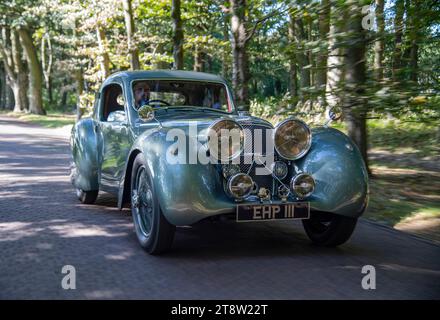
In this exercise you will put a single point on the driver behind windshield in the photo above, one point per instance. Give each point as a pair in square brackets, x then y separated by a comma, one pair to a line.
[141, 93]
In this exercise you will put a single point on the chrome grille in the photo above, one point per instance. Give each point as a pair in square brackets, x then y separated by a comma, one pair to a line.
[252, 138]
[254, 135]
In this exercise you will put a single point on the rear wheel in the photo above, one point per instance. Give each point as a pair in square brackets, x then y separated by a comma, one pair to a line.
[87, 197]
[327, 229]
[154, 232]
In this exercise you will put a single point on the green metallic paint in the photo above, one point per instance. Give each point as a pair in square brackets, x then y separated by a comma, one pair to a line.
[339, 172]
[85, 146]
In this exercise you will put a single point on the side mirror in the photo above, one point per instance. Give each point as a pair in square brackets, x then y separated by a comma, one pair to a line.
[146, 113]
[117, 116]
[334, 113]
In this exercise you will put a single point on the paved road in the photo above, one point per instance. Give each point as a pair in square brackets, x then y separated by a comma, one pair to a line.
[43, 227]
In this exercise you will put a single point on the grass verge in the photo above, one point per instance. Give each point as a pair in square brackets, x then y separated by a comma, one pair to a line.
[51, 120]
[404, 188]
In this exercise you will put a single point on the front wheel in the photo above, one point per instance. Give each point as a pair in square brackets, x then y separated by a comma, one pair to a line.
[154, 232]
[327, 229]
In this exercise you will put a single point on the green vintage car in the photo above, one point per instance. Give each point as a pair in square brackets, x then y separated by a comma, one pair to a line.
[173, 146]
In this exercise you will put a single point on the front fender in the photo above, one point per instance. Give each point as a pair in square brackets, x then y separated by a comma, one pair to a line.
[186, 192]
[85, 147]
[339, 171]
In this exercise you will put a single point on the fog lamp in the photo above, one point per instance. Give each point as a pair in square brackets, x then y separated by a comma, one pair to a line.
[302, 185]
[240, 185]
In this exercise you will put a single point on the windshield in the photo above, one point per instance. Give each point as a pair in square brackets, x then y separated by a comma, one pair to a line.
[178, 93]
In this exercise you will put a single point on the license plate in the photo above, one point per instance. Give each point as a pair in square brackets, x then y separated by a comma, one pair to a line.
[265, 212]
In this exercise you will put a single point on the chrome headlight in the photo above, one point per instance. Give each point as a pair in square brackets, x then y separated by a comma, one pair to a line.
[302, 185]
[225, 140]
[292, 139]
[240, 185]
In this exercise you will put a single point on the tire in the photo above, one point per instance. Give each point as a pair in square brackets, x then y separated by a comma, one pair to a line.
[329, 230]
[154, 233]
[87, 197]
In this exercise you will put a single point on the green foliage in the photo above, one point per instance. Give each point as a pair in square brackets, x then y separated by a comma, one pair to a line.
[71, 25]
[272, 106]
[404, 136]
[399, 196]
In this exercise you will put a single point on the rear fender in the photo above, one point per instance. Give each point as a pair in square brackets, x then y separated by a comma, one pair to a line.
[86, 146]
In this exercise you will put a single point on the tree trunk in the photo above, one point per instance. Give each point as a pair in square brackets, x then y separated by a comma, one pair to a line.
[79, 91]
[177, 35]
[240, 68]
[226, 51]
[413, 26]
[321, 59]
[11, 53]
[355, 77]
[24, 84]
[35, 72]
[302, 57]
[64, 93]
[335, 60]
[17, 98]
[130, 29]
[20, 96]
[357, 131]
[7, 96]
[309, 53]
[9, 105]
[379, 43]
[103, 53]
[47, 65]
[414, 60]
[293, 80]
[398, 31]
[198, 59]
[2, 86]
[209, 63]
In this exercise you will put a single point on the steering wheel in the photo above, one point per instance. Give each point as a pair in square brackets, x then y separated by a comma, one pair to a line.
[160, 101]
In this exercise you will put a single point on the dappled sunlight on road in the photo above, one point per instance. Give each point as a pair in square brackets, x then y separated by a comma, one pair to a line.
[72, 230]
[11, 231]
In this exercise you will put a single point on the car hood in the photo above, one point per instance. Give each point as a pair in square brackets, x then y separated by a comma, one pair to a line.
[203, 118]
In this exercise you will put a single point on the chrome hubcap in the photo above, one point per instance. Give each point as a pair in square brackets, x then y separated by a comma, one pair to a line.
[142, 202]
[135, 199]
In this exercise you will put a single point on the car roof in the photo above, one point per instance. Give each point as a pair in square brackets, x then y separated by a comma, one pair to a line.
[165, 74]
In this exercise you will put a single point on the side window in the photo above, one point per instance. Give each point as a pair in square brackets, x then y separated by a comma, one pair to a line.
[112, 99]
[223, 99]
[220, 100]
